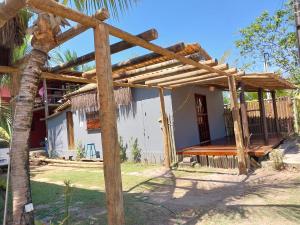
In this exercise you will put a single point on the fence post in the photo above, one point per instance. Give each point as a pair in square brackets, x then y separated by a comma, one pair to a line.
[295, 111]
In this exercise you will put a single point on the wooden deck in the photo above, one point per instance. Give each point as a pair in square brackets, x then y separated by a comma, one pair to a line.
[226, 147]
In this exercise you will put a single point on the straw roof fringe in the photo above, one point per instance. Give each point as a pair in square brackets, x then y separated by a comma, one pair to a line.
[88, 101]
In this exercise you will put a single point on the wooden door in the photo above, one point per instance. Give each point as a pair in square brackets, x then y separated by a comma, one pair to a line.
[202, 118]
[70, 130]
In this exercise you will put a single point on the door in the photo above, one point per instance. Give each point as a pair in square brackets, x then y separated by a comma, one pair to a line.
[202, 118]
[70, 130]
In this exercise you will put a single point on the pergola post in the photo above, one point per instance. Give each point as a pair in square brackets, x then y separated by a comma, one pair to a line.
[164, 120]
[237, 126]
[244, 116]
[273, 94]
[109, 135]
[263, 115]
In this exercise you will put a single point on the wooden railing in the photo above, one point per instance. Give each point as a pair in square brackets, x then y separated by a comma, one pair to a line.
[285, 117]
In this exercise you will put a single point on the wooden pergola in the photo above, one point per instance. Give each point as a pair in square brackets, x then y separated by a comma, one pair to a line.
[165, 68]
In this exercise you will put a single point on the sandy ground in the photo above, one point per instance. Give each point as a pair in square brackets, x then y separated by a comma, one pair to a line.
[220, 197]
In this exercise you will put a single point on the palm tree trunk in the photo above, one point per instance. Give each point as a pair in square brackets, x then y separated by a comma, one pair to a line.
[21, 129]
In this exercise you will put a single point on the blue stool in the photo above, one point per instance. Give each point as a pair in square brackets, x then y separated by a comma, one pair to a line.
[90, 150]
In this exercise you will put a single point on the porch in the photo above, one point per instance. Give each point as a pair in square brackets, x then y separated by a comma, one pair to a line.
[226, 147]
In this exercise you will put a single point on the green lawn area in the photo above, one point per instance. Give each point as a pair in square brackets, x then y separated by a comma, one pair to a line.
[153, 196]
[88, 200]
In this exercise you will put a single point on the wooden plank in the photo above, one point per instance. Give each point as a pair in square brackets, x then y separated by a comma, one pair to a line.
[263, 115]
[164, 121]
[237, 126]
[53, 7]
[149, 35]
[109, 134]
[244, 116]
[178, 73]
[273, 94]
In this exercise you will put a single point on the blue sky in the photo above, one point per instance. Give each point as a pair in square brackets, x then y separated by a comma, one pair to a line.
[213, 24]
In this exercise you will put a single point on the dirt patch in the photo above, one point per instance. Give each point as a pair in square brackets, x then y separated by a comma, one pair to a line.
[196, 198]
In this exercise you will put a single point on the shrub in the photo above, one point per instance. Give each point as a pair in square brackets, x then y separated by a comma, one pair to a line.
[80, 151]
[136, 151]
[123, 149]
[277, 157]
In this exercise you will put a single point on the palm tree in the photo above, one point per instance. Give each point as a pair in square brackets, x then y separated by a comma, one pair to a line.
[43, 37]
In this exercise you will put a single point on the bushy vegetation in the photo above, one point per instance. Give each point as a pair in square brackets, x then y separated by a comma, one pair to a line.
[123, 149]
[277, 157]
[136, 150]
[80, 151]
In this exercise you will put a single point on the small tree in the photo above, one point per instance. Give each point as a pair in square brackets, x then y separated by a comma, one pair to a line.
[136, 150]
[273, 34]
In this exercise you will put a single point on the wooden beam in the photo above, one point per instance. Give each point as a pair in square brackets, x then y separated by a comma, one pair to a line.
[274, 103]
[237, 126]
[62, 77]
[8, 69]
[164, 121]
[263, 118]
[53, 7]
[244, 116]
[181, 72]
[109, 134]
[137, 60]
[102, 15]
[46, 107]
[123, 76]
[198, 79]
[148, 35]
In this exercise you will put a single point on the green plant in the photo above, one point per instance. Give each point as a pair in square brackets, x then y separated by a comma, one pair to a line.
[123, 149]
[277, 157]
[80, 151]
[67, 195]
[136, 150]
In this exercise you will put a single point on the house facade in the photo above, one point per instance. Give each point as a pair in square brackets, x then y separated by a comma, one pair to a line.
[141, 120]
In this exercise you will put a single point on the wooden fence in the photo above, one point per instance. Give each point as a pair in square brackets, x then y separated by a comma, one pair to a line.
[285, 117]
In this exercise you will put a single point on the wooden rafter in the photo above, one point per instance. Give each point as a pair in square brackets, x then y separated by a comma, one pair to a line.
[197, 78]
[154, 67]
[167, 72]
[186, 74]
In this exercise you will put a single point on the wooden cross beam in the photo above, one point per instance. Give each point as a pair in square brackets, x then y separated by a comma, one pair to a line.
[148, 35]
[136, 61]
[55, 8]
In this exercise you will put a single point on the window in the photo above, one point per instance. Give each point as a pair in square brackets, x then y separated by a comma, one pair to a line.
[92, 120]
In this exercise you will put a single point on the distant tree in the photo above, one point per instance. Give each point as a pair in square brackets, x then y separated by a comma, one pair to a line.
[273, 34]
[59, 57]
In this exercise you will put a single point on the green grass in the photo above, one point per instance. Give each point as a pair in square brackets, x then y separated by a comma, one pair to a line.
[88, 193]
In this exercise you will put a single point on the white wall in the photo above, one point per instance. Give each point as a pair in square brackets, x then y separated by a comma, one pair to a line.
[185, 121]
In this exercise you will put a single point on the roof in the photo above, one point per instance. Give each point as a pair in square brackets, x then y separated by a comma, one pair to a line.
[170, 73]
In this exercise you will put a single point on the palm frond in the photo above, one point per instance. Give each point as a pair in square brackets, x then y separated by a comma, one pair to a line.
[115, 7]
